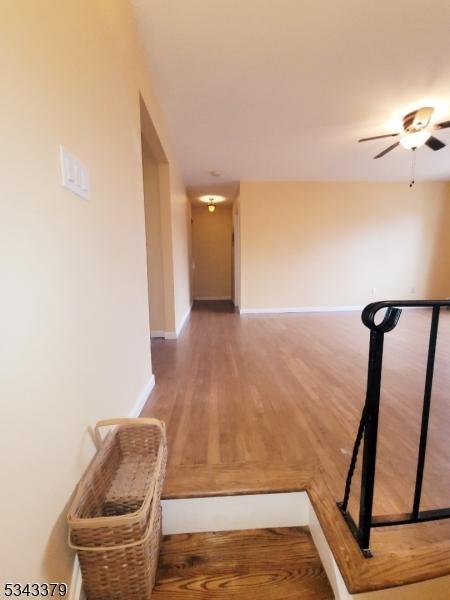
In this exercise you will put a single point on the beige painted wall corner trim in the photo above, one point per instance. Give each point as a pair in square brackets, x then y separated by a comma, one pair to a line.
[143, 397]
[300, 309]
[173, 335]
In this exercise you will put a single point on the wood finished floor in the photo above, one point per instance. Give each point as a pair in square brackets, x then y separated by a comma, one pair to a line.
[274, 564]
[259, 402]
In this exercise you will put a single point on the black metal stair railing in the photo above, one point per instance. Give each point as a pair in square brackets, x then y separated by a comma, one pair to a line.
[368, 426]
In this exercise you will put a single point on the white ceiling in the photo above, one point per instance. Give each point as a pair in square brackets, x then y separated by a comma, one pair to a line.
[282, 89]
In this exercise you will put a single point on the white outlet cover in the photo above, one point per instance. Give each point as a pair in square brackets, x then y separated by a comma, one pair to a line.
[75, 174]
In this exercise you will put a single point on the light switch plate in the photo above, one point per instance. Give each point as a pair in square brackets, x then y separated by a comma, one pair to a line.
[75, 174]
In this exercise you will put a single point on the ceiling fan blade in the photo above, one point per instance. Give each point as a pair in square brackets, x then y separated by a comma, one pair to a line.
[388, 149]
[378, 137]
[434, 143]
[442, 125]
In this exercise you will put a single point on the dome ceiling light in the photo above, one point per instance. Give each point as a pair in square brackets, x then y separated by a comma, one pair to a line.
[212, 200]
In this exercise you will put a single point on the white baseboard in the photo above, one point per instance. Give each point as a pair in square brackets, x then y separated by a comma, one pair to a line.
[143, 397]
[76, 584]
[300, 309]
[184, 319]
[157, 333]
[212, 298]
[173, 335]
[170, 335]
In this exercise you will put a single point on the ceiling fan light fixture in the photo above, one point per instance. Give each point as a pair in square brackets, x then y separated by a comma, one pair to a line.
[211, 207]
[414, 139]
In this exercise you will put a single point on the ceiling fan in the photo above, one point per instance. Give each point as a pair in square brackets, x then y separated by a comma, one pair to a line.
[416, 132]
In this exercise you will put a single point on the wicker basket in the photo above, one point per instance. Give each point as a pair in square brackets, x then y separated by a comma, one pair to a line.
[115, 518]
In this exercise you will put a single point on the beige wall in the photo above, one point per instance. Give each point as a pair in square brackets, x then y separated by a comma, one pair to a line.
[74, 315]
[329, 244]
[211, 241]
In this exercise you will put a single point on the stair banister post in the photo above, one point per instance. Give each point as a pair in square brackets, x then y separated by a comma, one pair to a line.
[370, 437]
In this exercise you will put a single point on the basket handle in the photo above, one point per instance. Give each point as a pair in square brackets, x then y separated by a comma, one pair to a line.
[134, 422]
[147, 534]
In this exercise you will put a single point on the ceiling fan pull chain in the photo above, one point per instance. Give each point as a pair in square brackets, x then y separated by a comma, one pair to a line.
[413, 168]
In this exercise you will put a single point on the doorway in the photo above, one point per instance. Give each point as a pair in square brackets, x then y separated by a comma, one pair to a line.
[212, 249]
[236, 261]
[155, 277]
[157, 222]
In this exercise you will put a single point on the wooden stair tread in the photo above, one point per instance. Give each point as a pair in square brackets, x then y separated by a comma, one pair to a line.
[274, 564]
[196, 481]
